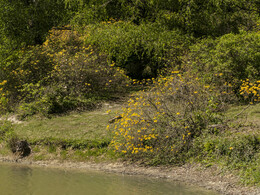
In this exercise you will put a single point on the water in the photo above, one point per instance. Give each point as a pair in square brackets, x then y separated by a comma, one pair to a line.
[25, 180]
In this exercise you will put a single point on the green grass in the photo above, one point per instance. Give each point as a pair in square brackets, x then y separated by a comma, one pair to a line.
[244, 119]
[85, 138]
[251, 112]
[89, 125]
[235, 148]
[78, 136]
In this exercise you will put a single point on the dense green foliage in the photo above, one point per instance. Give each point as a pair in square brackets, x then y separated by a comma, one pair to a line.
[60, 75]
[195, 55]
[236, 56]
[141, 50]
[28, 21]
[198, 17]
[5, 130]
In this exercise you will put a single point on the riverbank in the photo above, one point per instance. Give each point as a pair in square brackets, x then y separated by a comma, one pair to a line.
[77, 141]
[210, 178]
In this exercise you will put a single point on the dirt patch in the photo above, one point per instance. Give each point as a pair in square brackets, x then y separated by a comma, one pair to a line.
[208, 178]
[12, 119]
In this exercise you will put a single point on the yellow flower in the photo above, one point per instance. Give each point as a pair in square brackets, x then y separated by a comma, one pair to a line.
[4, 82]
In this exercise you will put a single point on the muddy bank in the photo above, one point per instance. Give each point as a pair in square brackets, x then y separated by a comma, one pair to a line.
[209, 178]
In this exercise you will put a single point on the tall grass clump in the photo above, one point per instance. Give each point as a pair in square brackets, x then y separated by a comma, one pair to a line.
[159, 126]
[7, 134]
[6, 130]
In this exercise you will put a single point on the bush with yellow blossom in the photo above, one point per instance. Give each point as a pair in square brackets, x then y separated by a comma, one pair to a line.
[250, 91]
[162, 122]
[61, 75]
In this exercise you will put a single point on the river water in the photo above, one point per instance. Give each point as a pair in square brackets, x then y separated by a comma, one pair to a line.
[23, 180]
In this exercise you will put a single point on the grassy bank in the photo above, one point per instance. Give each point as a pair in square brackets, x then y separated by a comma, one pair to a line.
[237, 147]
[193, 67]
[84, 136]
[78, 136]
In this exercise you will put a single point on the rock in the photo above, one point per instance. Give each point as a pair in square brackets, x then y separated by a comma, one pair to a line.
[21, 148]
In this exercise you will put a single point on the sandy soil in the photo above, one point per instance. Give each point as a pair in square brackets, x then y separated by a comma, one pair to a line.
[208, 178]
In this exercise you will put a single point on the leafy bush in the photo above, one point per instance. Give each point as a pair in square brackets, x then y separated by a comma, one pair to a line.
[216, 18]
[236, 57]
[27, 65]
[250, 91]
[161, 124]
[60, 75]
[199, 18]
[141, 50]
[240, 148]
[28, 22]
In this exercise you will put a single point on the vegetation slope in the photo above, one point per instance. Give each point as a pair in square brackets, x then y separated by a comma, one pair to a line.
[190, 69]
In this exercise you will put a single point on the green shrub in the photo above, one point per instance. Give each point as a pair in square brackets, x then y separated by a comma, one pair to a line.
[7, 134]
[141, 50]
[234, 57]
[61, 75]
[28, 65]
[197, 17]
[28, 22]
[240, 148]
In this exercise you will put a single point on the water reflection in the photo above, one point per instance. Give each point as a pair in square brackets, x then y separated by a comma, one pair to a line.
[25, 180]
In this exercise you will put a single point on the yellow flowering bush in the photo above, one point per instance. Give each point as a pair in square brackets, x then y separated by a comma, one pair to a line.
[80, 75]
[250, 91]
[163, 121]
[80, 67]
[60, 75]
